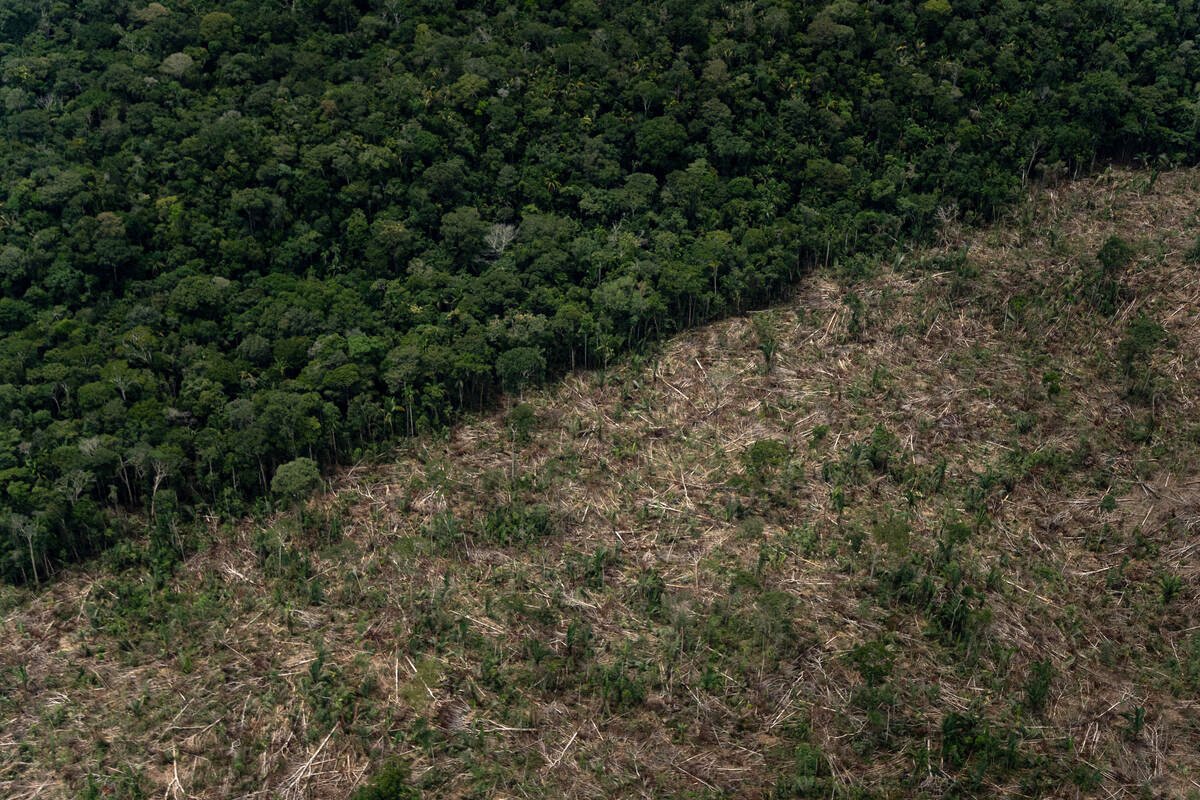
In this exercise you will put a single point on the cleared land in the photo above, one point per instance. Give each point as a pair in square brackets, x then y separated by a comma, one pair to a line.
[945, 545]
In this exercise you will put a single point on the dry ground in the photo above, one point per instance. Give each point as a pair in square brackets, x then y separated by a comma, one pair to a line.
[970, 566]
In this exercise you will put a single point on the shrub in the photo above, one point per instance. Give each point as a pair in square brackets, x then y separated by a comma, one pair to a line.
[1114, 255]
[1170, 586]
[520, 422]
[649, 592]
[1037, 686]
[390, 783]
[810, 776]
[857, 325]
[967, 737]
[893, 533]
[753, 631]
[1104, 291]
[873, 661]
[517, 523]
[764, 457]
[764, 335]
[1135, 353]
[881, 449]
[619, 687]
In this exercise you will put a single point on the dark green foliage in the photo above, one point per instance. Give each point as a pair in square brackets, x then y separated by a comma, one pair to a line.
[591, 571]
[873, 661]
[296, 479]
[1170, 586]
[520, 421]
[764, 335]
[1052, 383]
[764, 458]
[517, 523]
[650, 593]
[951, 596]
[878, 454]
[1086, 777]
[876, 698]
[520, 367]
[1186, 667]
[961, 615]
[389, 783]
[290, 566]
[331, 701]
[620, 688]
[819, 433]
[1135, 354]
[1135, 721]
[445, 529]
[893, 533]
[1037, 685]
[127, 784]
[1105, 290]
[753, 628]
[1114, 255]
[857, 324]
[880, 450]
[809, 776]
[968, 740]
[239, 234]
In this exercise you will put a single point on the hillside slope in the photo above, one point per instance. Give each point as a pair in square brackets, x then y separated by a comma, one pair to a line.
[946, 545]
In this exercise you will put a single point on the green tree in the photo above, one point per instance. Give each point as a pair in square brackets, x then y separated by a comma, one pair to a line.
[520, 367]
[294, 481]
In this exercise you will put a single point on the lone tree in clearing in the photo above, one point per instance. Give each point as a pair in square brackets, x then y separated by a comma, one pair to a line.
[296, 480]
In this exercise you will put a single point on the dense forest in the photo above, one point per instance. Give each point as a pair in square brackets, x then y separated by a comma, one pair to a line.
[235, 235]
